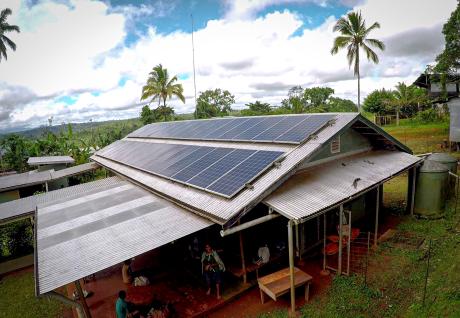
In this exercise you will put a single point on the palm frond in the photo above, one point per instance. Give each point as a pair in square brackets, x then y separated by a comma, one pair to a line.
[3, 51]
[4, 14]
[9, 28]
[376, 43]
[11, 44]
[371, 55]
[339, 43]
[374, 26]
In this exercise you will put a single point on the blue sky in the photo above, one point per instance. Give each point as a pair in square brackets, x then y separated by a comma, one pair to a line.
[78, 60]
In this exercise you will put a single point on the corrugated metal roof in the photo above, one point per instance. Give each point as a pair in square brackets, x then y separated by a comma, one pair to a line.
[30, 178]
[219, 209]
[26, 206]
[49, 160]
[25, 179]
[329, 184]
[71, 171]
[98, 229]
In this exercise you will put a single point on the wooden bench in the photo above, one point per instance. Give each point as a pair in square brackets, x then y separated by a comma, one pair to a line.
[278, 283]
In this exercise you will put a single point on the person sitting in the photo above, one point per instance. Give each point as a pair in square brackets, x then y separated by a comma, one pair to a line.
[212, 266]
[127, 272]
[263, 254]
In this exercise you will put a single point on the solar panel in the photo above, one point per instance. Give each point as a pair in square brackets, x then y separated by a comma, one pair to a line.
[224, 171]
[292, 129]
[237, 178]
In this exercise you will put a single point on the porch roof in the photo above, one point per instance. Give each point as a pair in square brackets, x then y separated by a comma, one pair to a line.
[322, 187]
[91, 231]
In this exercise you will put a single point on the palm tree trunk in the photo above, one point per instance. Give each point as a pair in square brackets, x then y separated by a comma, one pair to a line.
[397, 116]
[359, 83]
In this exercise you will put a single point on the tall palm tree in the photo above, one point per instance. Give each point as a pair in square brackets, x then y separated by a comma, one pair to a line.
[5, 27]
[354, 36]
[160, 87]
[404, 96]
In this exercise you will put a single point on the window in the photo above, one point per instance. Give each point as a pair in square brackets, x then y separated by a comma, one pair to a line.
[335, 145]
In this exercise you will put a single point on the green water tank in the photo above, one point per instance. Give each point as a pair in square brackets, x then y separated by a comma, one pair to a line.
[450, 162]
[431, 189]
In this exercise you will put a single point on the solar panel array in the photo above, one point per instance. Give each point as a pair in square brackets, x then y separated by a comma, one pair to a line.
[280, 129]
[224, 171]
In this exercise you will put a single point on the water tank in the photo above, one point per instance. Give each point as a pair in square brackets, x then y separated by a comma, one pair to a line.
[431, 189]
[450, 162]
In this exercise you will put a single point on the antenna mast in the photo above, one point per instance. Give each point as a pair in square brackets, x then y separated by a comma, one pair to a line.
[193, 56]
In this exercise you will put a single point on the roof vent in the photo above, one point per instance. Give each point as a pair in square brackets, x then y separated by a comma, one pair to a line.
[335, 145]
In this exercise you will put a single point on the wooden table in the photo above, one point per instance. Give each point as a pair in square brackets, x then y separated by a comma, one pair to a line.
[278, 283]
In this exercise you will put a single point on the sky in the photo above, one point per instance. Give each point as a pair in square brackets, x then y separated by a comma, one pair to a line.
[82, 60]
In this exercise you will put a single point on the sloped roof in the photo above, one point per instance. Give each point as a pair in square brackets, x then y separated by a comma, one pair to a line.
[93, 230]
[226, 211]
[30, 178]
[25, 207]
[49, 160]
[324, 186]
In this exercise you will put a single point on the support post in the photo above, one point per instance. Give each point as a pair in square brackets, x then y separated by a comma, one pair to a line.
[46, 186]
[410, 191]
[324, 242]
[349, 243]
[291, 265]
[339, 265]
[377, 207]
[243, 262]
[82, 299]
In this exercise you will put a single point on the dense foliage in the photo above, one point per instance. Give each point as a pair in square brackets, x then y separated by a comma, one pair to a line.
[214, 103]
[449, 60]
[315, 100]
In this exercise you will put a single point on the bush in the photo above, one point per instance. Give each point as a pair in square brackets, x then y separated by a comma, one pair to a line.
[428, 116]
[16, 239]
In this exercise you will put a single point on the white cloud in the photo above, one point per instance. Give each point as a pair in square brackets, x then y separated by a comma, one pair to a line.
[80, 50]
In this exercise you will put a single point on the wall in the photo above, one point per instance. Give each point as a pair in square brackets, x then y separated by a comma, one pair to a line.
[9, 196]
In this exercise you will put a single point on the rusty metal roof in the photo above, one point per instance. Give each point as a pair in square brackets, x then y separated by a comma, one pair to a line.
[89, 232]
[324, 186]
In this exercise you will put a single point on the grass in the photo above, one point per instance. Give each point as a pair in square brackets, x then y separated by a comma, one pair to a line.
[18, 299]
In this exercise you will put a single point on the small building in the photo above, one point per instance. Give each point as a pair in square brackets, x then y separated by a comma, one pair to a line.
[306, 176]
[55, 163]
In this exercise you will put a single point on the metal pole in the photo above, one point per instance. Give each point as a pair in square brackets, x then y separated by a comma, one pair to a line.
[82, 299]
[349, 243]
[324, 242]
[426, 274]
[193, 57]
[46, 186]
[297, 249]
[291, 265]
[339, 265]
[377, 207]
[249, 224]
[243, 262]
[456, 196]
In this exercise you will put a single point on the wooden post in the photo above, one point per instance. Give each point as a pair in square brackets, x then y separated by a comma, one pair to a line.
[377, 207]
[291, 265]
[82, 299]
[324, 242]
[339, 265]
[349, 243]
[412, 199]
[46, 186]
[243, 262]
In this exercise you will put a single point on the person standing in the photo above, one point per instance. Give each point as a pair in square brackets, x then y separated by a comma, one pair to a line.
[212, 267]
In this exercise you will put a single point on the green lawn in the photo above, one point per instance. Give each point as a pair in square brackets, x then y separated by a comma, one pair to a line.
[18, 299]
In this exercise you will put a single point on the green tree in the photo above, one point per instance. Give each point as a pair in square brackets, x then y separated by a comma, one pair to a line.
[16, 152]
[354, 36]
[161, 87]
[213, 103]
[259, 107]
[405, 100]
[317, 96]
[5, 27]
[449, 60]
[295, 101]
[147, 116]
[377, 101]
[340, 105]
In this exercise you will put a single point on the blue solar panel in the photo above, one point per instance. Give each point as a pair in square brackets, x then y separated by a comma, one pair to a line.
[280, 129]
[255, 130]
[218, 169]
[195, 168]
[305, 129]
[233, 181]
